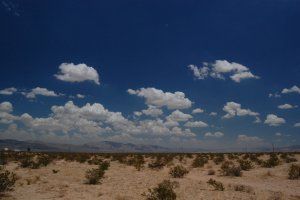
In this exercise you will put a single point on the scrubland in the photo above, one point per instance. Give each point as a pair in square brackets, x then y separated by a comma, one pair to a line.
[153, 176]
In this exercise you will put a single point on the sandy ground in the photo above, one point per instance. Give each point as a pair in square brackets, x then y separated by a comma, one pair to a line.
[122, 182]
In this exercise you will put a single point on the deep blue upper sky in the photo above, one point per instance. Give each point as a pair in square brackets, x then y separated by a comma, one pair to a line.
[149, 44]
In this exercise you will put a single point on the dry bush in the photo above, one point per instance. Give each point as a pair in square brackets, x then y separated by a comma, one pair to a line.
[286, 157]
[104, 165]
[137, 161]
[232, 156]
[243, 188]
[157, 164]
[230, 169]
[93, 176]
[164, 191]
[294, 172]
[199, 161]
[245, 164]
[35, 162]
[178, 171]
[3, 158]
[216, 184]
[7, 180]
[271, 162]
[219, 158]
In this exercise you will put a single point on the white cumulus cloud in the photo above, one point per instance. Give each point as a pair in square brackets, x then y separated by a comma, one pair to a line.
[80, 96]
[213, 114]
[40, 91]
[196, 124]
[297, 124]
[152, 111]
[214, 135]
[274, 120]
[220, 68]
[6, 107]
[159, 98]
[285, 106]
[71, 72]
[294, 89]
[197, 110]
[234, 109]
[8, 91]
[179, 116]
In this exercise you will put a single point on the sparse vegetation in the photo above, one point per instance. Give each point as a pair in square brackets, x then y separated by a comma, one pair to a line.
[273, 161]
[199, 161]
[245, 164]
[216, 184]
[164, 191]
[219, 158]
[137, 161]
[243, 188]
[178, 171]
[7, 180]
[294, 172]
[178, 165]
[157, 164]
[230, 169]
[3, 159]
[93, 176]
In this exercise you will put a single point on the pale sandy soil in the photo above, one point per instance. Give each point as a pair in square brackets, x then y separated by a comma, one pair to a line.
[122, 182]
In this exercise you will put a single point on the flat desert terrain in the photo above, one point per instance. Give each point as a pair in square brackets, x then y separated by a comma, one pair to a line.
[129, 176]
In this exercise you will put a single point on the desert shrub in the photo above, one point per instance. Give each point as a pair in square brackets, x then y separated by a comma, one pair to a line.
[216, 184]
[199, 161]
[178, 171]
[245, 164]
[81, 158]
[27, 162]
[254, 157]
[294, 172]
[3, 158]
[219, 158]
[136, 161]
[7, 180]
[232, 156]
[230, 169]
[95, 161]
[211, 172]
[104, 165]
[287, 159]
[93, 176]
[121, 158]
[157, 164]
[271, 162]
[164, 191]
[44, 160]
[243, 188]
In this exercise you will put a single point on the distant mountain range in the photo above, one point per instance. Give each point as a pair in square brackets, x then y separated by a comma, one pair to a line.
[104, 146]
[108, 146]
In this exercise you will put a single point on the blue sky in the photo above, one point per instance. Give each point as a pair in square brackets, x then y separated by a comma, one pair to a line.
[136, 71]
